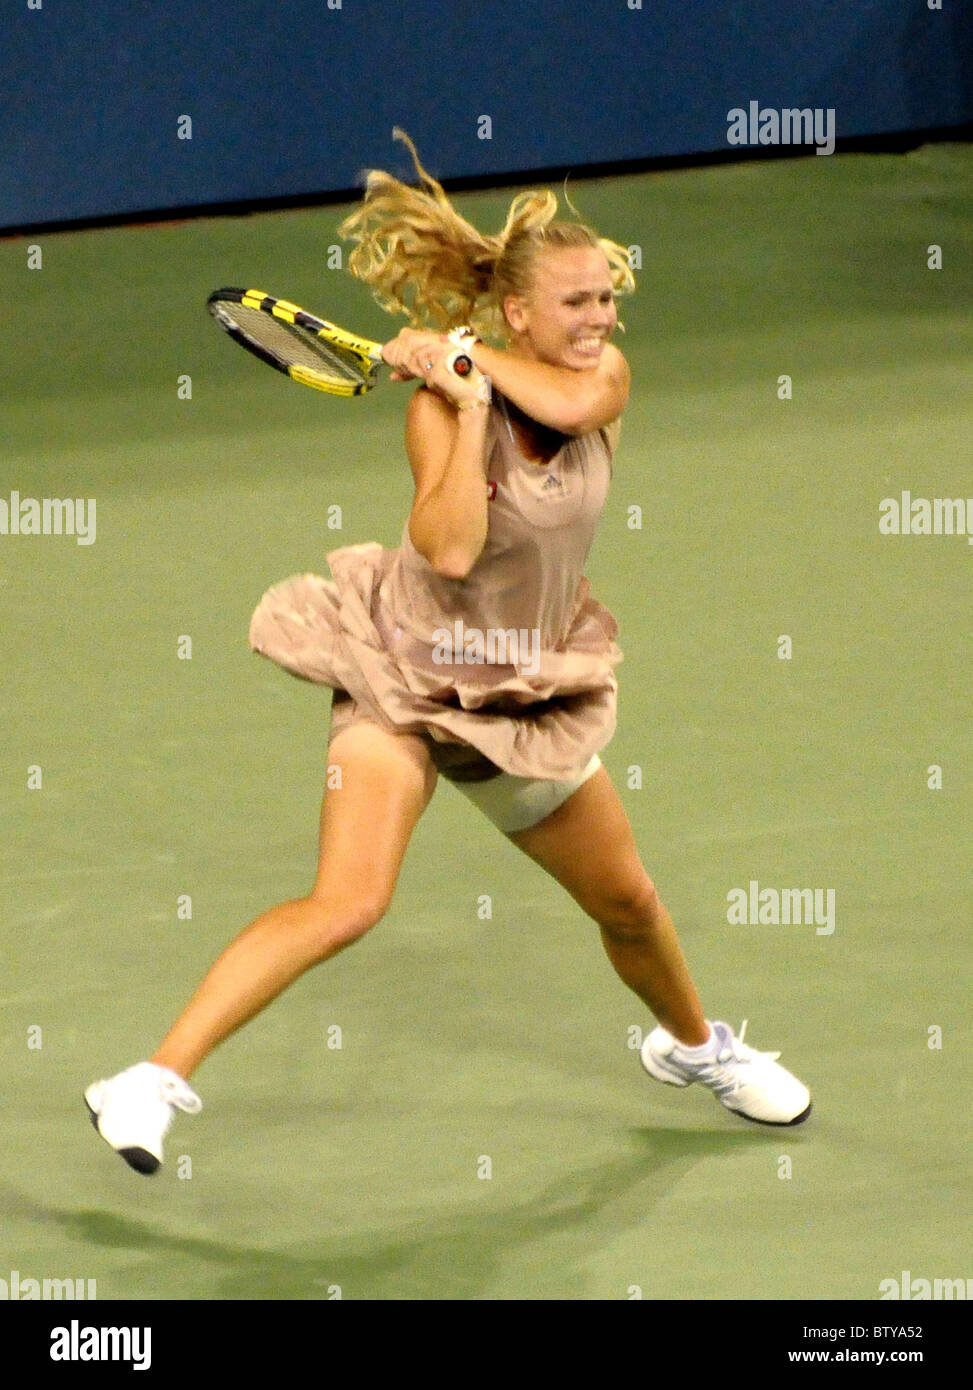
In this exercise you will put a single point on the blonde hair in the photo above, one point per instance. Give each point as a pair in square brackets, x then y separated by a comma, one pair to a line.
[422, 259]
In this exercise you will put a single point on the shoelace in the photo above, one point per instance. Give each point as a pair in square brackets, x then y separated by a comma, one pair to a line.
[716, 1075]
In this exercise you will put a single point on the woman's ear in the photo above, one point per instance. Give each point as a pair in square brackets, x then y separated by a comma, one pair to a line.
[515, 313]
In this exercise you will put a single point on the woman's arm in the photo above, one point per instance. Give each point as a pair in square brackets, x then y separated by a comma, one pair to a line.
[446, 448]
[570, 401]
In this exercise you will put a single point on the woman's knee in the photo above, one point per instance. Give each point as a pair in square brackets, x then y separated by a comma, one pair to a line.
[337, 920]
[629, 911]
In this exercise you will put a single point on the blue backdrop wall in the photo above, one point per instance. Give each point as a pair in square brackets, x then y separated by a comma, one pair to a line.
[294, 97]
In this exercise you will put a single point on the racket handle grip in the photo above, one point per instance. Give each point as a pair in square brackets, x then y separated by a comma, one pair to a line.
[460, 363]
[464, 366]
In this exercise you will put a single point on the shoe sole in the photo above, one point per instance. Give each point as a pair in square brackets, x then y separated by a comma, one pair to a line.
[775, 1124]
[139, 1159]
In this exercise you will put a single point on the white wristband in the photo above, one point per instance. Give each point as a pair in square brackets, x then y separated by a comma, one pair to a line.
[463, 337]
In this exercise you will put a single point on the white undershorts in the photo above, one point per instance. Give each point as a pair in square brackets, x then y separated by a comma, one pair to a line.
[511, 803]
[518, 803]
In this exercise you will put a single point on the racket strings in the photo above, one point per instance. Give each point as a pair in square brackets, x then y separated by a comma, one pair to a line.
[296, 346]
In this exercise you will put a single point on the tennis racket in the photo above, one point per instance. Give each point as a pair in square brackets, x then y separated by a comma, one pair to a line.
[309, 350]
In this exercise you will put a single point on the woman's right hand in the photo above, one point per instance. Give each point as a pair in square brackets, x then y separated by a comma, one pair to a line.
[414, 354]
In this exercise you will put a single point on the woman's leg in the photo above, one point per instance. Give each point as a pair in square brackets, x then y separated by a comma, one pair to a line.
[387, 781]
[588, 846]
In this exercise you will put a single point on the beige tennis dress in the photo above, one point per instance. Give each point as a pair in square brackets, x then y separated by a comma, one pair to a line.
[410, 650]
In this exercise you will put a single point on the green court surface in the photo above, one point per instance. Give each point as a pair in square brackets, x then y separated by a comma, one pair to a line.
[485, 1130]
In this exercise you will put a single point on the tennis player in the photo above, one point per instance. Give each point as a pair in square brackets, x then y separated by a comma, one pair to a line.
[474, 650]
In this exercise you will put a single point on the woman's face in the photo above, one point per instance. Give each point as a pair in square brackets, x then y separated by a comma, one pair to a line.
[568, 314]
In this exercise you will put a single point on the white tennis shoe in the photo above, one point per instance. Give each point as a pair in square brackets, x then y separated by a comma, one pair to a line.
[133, 1111]
[748, 1082]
